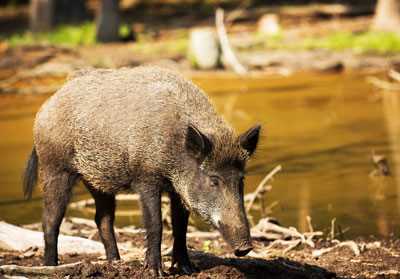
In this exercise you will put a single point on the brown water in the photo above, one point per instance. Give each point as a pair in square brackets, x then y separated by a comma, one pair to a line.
[320, 128]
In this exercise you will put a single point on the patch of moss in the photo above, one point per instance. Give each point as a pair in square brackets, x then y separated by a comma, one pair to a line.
[69, 35]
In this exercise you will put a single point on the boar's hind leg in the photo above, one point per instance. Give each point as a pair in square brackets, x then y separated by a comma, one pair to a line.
[150, 200]
[180, 218]
[105, 214]
[56, 192]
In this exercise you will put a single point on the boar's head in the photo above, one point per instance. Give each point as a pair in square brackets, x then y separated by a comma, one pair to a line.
[215, 191]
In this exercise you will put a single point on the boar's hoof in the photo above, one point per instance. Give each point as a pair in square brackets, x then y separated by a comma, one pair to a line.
[243, 251]
[155, 272]
[186, 269]
[182, 266]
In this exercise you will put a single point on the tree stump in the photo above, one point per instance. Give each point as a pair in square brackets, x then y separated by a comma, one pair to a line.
[42, 15]
[204, 48]
[387, 16]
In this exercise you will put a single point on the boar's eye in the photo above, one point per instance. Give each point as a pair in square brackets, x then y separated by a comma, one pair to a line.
[215, 181]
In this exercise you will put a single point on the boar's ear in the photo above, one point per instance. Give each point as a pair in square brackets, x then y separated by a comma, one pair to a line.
[197, 143]
[249, 139]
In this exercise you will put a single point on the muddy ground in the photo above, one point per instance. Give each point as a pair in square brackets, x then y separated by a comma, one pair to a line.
[212, 258]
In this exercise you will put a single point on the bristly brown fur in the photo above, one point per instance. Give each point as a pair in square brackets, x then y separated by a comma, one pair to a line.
[128, 129]
[154, 105]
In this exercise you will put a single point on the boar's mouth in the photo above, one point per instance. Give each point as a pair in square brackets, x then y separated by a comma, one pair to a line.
[243, 251]
[238, 238]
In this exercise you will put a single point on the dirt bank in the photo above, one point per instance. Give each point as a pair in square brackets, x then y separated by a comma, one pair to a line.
[212, 258]
[42, 70]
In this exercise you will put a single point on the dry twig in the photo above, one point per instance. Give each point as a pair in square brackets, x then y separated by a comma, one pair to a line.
[261, 188]
[296, 238]
[309, 224]
[332, 233]
[351, 244]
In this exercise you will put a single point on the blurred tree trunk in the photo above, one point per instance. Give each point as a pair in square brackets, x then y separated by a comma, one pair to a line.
[387, 16]
[108, 21]
[45, 14]
[42, 15]
[67, 11]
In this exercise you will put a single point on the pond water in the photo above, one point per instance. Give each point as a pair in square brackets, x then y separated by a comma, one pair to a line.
[322, 130]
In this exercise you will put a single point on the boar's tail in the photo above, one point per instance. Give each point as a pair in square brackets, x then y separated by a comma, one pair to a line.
[30, 174]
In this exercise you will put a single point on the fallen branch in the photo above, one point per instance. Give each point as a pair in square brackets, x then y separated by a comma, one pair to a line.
[35, 270]
[266, 227]
[261, 188]
[226, 48]
[394, 75]
[215, 234]
[19, 239]
[350, 244]
[130, 230]
[291, 244]
[82, 221]
[295, 244]
[382, 84]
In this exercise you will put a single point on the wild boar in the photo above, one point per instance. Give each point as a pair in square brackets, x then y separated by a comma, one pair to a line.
[146, 129]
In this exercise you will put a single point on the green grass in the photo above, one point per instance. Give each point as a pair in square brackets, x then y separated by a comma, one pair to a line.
[365, 42]
[68, 35]
[178, 44]
[379, 42]
[84, 34]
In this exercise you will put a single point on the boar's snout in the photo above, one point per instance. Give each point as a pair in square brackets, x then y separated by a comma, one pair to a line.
[243, 250]
[238, 237]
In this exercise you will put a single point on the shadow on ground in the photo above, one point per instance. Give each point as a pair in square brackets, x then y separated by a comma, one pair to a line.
[209, 266]
[256, 268]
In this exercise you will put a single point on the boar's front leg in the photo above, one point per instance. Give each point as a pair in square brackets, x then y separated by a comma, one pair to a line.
[150, 197]
[180, 218]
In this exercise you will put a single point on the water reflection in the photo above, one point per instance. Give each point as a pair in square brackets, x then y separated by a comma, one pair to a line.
[321, 129]
[391, 105]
